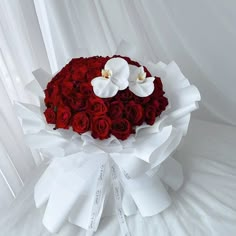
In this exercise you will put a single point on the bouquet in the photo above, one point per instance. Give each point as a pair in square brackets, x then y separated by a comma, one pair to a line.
[106, 127]
[106, 96]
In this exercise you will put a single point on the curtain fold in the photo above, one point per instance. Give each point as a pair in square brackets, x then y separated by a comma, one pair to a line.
[21, 51]
[16, 160]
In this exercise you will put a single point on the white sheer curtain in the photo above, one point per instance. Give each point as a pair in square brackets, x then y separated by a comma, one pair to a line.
[199, 35]
[21, 51]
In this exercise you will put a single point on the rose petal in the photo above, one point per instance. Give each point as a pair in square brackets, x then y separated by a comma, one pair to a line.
[104, 88]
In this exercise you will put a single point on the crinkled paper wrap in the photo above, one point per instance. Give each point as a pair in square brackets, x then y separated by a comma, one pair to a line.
[87, 179]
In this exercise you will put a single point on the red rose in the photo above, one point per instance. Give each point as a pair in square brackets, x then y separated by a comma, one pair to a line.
[86, 89]
[134, 113]
[77, 102]
[97, 106]
[121, 128]
[67, 88]
[80, 122]
[97, 62]
[158, 88]
[163, 103]
[75, 62]
[50, 116]
[100, 127]
[63, 117]
[141, 100]
[52, 95]
[108, 101]
[124, 95]
[93, 73]
[79, 68]
[158, 83]
[155, 103]
[64, 74]
[79, 73]
[150, 114]
[116, 110]
[57, 79]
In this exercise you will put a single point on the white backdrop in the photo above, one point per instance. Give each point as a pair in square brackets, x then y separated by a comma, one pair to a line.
[199, 35]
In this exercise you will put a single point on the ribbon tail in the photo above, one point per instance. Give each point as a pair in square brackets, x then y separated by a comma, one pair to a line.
[149, 195]
[88, 211]
[132, 166]
[62, 199]
[128, 204]
[118, 201]
[44, 185]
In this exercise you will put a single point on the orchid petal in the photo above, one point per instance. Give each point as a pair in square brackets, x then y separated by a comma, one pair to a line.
[120, 72]
[143, 88]
[104, 88]
[134, 71]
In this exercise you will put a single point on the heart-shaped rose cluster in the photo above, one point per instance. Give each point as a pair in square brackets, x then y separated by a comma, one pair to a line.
[72, 99]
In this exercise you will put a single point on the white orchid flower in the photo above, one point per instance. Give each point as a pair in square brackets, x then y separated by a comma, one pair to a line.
[114, 77]
[139, 84]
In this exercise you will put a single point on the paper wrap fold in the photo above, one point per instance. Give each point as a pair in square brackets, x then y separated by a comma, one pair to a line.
[87, 179]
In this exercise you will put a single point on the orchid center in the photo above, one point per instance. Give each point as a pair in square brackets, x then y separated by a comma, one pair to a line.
[106, 73]
[141, 77]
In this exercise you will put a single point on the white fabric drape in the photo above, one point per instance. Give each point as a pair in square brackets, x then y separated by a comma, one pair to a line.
[199, 35]
[21, 51]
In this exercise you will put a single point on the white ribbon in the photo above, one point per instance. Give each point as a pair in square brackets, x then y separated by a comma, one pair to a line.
[98, 200]
[118, 201]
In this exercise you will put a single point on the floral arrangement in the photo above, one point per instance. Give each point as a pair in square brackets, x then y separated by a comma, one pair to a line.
[107, 96]
[106, 133]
